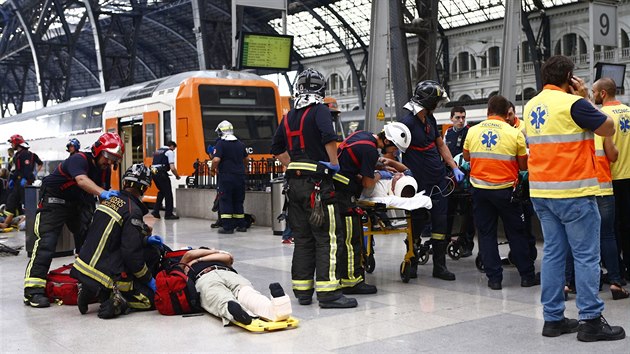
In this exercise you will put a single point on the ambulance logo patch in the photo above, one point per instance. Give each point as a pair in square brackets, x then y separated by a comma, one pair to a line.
[624, 124]
[538, 116]
[489, 139]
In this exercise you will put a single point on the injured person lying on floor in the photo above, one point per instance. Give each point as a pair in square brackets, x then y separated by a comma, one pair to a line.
[227, 294]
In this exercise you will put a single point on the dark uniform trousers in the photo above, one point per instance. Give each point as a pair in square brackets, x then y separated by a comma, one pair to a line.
[316, 248]
[163, 184]
[350, 263]
[231, 200]
[51, 215]
[439, 212]
[621, 189]
[488, 205]
[15, 199]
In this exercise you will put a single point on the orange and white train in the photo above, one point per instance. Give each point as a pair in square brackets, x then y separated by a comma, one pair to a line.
[185, 108]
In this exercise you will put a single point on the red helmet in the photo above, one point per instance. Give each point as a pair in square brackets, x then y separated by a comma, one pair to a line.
[16, 140]
[110, 145]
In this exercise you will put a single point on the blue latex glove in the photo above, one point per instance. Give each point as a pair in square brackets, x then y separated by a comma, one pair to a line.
[108, 194]
[334, 168]
[11, 184]
[23, 182]
[385, 174]
[459, 175]
[408, 173]
[151, 284]
[155, 240]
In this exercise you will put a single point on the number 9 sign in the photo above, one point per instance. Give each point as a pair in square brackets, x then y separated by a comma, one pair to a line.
[603, 19]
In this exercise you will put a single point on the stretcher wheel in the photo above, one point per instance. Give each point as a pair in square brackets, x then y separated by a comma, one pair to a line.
[370, 264]
[479, 263]
[454, 250]
[423, 256]
[405, 272]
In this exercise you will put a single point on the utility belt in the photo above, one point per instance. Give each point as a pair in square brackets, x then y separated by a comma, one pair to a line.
[210, 269]
[308, 169]
[159, 169]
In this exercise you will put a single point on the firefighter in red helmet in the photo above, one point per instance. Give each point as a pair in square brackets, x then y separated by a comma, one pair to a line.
[67, 197]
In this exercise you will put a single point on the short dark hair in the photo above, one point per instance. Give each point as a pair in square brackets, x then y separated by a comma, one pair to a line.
[457, 109]
[512, 106]
[498, 106]
[557, 70]
[171, 143]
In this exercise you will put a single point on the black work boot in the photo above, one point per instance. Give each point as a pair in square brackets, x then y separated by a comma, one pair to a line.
[83, 298]
[598, 329]
[439, 260]
[36, 300]
[362, 288]
[341, 303]
[557, 328]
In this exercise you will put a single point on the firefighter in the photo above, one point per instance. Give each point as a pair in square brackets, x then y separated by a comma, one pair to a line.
[305, 143]
[73, 146]
[164, 161]
[358, 158]
[117, 261]
[230, 158]
[67, 197]
[27, 164]
[425, 157]
[496, 152]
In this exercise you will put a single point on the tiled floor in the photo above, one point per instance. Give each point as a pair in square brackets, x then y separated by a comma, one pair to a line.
[425, 315]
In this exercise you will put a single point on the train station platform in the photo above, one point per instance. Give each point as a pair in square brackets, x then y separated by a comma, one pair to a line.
[424, 315]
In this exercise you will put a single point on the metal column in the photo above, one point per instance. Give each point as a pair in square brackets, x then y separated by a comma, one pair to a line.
[511, 28]
[377, 67]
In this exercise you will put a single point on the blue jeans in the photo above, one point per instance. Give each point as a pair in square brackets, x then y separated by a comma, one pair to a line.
[570, 224]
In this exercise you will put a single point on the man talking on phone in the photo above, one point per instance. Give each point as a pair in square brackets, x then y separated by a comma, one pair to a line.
[561, 123]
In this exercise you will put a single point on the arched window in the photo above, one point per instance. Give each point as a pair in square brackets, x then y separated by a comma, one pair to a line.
[453, 66]
[473, 63]
[349, 84]
[334, 83]
[464, 98]
[494, 57]
[557, 50]
[525, 50]
[464, 61]
[625, 41]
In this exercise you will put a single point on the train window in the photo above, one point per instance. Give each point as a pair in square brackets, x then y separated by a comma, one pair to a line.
[66, 123]
[251, 110]
[150, 139]
[96, 118]
[166, 119]
[80, 120]
[53, 125]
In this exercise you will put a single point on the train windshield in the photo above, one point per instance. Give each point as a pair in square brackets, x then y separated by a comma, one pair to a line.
[251, 110]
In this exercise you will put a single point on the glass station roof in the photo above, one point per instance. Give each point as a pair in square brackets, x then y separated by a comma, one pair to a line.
[311, 39]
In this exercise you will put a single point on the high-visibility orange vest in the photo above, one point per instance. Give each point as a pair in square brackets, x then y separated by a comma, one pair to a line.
[561, 153]
[620, 113]
[604, 176]
[493, 146]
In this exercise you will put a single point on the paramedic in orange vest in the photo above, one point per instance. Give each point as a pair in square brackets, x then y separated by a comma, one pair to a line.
[604, 91]
[306, 144]
[560, 123]
[620, 171]
[497, 152]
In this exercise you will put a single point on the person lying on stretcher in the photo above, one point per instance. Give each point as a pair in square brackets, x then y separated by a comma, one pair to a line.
[399, 185]
[227, 294]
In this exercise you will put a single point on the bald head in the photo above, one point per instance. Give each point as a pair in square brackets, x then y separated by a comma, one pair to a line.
[604, 90]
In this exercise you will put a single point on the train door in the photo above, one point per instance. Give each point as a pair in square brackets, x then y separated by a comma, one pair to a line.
[151, 139]
[111, 126]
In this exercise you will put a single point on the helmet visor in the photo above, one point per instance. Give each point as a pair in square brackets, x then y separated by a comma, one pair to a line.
[111, 157]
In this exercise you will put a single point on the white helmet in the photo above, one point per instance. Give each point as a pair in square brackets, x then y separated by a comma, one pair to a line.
[399, 134]
[225, 131]
[404, 182]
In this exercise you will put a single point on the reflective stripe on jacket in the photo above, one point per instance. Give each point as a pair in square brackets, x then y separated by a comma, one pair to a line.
[562, 154]
[493, 146]
[603, 168]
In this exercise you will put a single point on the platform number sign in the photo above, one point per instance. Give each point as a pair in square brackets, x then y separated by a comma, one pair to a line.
[604, 24]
